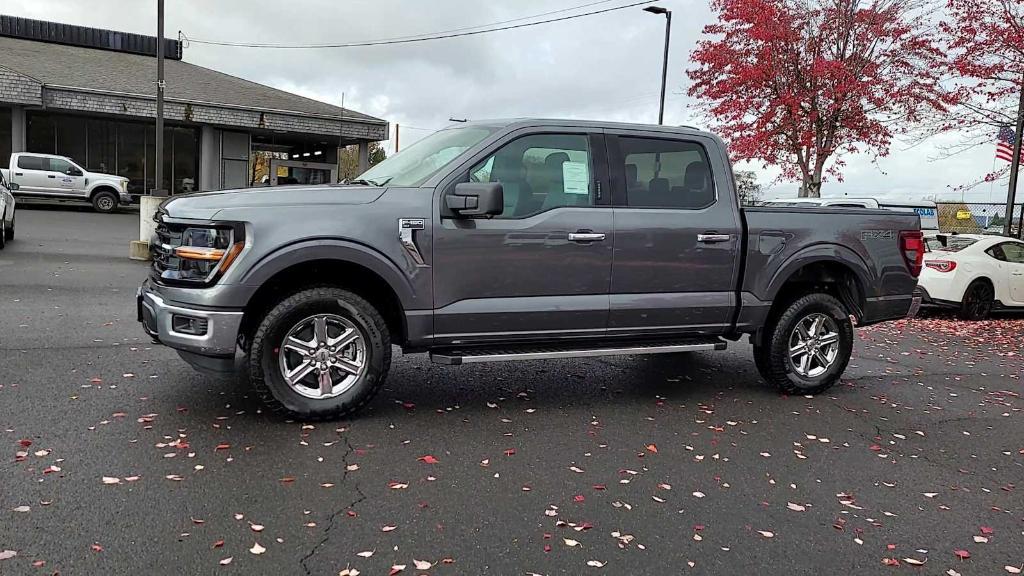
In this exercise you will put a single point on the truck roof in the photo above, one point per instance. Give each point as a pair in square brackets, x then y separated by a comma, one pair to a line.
[532, 122]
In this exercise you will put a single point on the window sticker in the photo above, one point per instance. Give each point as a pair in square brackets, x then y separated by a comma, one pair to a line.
[575, 178]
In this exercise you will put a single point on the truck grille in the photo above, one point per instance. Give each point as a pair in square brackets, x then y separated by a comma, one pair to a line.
[161, 248]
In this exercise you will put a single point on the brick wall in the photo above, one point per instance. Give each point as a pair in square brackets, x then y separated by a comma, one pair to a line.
[18, 89]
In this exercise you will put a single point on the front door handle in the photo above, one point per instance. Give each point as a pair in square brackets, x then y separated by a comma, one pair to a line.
[585, 236]
[50, 176]
[18, 174]
[713, 238]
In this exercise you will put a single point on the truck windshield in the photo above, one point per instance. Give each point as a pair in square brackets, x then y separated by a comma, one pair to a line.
[415, 164]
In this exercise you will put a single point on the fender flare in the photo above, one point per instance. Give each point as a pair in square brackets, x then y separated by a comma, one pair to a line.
[828, 252]
[97, 186]
[339, 250]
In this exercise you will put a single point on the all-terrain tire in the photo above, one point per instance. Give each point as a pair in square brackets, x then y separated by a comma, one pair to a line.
[264, 369]
[782, 371]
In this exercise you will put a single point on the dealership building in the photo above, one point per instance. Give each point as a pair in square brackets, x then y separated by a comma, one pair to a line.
[90, 94]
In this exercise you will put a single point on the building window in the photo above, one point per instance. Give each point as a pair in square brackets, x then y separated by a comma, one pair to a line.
[102, 147]
[71, 140]
[42, 134]
[131, 156]
[186, 146]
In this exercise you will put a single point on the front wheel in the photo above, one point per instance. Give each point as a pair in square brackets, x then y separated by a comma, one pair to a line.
[9, 230]
[808, 346]
[105, 202]
[3, 232]
[321, 353]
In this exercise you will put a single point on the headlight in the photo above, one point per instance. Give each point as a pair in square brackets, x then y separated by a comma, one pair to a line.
[200, 256]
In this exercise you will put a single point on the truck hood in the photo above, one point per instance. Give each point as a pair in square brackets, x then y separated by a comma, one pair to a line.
[205, 205]
[101, 176]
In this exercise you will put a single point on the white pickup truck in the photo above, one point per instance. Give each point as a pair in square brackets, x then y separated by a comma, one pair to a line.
[59, 177]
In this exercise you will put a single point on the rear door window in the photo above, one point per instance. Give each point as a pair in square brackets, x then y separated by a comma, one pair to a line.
[31, 163]
[666, 174]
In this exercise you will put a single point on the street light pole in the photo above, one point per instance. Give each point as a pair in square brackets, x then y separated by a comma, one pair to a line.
[158, 189]
[664, 64]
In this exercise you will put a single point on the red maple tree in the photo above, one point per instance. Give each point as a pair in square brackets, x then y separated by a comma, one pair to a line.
[986, 55]
[801, 83]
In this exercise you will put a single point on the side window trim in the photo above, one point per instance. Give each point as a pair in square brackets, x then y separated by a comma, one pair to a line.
[617, 165]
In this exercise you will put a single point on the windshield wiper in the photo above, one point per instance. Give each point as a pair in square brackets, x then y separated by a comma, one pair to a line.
[362, 182]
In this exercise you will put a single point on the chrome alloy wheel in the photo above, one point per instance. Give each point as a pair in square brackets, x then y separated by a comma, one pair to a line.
[814, 345]
[322, 356]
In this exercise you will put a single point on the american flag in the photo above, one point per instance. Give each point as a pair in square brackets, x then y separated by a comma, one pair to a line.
[1004, 144]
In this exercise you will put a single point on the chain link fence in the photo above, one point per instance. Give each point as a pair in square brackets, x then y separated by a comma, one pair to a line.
[976, 217]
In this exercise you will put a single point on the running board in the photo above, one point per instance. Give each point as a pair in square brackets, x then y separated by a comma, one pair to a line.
[541, 352]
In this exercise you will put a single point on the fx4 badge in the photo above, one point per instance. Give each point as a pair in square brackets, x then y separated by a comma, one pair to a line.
[877, 234]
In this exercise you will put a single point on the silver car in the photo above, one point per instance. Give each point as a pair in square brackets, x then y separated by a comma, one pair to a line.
[6, 211]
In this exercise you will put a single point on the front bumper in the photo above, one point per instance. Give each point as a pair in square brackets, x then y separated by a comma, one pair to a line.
[125, 198]
[157, 317]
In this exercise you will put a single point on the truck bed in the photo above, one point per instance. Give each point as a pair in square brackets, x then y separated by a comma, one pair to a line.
[782, 240]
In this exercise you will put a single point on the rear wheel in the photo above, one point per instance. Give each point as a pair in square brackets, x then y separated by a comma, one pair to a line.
[807, 348]
[978, 300]
[9, 230]
[321, 353]
[3, 232]
[105, 202]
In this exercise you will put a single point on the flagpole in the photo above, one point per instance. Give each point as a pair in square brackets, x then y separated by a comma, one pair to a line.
[1011, 191]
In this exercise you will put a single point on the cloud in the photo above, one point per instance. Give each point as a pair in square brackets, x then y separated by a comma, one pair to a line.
[600, 67]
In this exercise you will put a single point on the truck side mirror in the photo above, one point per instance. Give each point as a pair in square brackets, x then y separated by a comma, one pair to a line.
[476, 199]
[73, 171]
[12, 186]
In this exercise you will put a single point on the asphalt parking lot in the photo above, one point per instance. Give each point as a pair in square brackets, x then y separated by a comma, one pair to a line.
[117, 459]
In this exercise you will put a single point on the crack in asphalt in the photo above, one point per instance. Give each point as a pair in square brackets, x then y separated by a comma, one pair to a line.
[331, 518]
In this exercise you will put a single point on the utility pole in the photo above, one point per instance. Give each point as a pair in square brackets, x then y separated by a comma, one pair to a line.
[158, 189]
[1011, 191]
[664, 63]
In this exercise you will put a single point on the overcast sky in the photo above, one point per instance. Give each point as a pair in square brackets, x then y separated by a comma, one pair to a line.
[606, 66]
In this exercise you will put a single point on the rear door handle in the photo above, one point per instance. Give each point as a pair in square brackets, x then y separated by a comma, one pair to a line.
[713, 238]
[18, 174]
[50, 176]
[584, 236]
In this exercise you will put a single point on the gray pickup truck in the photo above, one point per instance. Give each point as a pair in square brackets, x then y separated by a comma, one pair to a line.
[518, 240]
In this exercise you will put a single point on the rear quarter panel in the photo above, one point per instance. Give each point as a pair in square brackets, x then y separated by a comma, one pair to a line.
[781, 241]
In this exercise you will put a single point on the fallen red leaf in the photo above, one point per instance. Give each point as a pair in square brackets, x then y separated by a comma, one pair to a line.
[652, 448]
[287, 480]
[217, 544]
[428, 459]
[223, 447]
[962, 554]
[96, 548]
[578, 498]
[986, 530]
[25, 442]
[510, 452]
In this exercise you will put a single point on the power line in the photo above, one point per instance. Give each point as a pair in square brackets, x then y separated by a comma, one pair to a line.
[424, 38]
[541, 15]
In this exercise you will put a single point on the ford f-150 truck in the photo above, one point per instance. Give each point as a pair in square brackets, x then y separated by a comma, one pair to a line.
[518, 240]
[59, 177]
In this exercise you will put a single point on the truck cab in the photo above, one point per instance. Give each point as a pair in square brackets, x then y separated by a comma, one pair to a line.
[59, 177]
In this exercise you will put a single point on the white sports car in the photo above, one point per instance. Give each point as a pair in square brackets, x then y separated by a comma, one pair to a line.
[974, 274]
